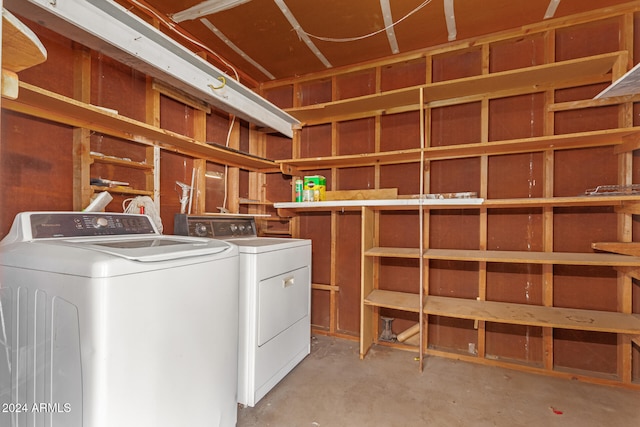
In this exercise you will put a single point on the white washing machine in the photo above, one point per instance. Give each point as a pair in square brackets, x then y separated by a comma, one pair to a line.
[275, 300]
[104, 322]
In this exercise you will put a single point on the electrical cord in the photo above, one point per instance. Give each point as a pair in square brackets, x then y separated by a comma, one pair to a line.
[356, 38]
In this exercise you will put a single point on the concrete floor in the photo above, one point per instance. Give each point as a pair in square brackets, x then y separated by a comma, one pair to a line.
[333, 387]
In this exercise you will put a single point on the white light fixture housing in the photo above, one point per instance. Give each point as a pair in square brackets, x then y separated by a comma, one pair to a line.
[127, 38]
[205, 8]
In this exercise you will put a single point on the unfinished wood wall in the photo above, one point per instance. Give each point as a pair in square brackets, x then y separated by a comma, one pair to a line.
[336, 235]
[41, 161]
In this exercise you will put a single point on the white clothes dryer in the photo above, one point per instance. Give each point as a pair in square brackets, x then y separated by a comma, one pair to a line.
[105, 322]
[275, 300]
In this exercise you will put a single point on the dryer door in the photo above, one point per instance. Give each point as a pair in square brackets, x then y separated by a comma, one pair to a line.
[282, 301]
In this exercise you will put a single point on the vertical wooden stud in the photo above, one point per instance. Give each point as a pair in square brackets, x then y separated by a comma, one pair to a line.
[625, 177]
[547, 212]
[81, 137]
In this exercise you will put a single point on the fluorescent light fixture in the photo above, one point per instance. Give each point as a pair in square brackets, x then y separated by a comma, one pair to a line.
[214, 175]
[126, 38]
[205, 8]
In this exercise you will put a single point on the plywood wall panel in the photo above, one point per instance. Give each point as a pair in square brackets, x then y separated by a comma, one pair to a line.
[516, 283]
[118, 87]
[576, 171]
[176, 116]
[320, 309]
[449, 278]
[355, 178]
[315, 141]
[314, 92]
[36, 167]
[278, 187]
[316, 227]
[515, 230]
[404, 177]
[399, 229]
[355, 84]
[519, 343]
[588, 39]
[404, 74]
[217, 127]
[356, 136]
[454, 229]
[447, 333]
[454, 176]
[456, 124]
[587, 287]
[400, 131]
[516, 117]
[347, 267]
[516, 176]
[281, 96]
[575, 229]
[278, 147]
[56, 73]
[517, 53]
[457, 65]
[585, 351]
[175, 167]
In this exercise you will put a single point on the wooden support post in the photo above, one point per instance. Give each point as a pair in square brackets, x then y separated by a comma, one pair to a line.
[81, 137]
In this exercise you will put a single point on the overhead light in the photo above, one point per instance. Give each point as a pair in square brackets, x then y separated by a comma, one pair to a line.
[205, 8]
[214, 175]
[130, 40]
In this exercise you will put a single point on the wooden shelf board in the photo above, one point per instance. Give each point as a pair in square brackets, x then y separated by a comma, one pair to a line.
[530, 80]
[382, 204]
[562, 201]
[524, 257]
[121, 162]
[21, 48]
[291, 208]
[625, 248]
[123, 190]
[533, 315]
[48, 105]
[531, 77]
[517, 314]
[393, 252]
[521, 145]
[393, 299]
[534, 144]
[527, 257]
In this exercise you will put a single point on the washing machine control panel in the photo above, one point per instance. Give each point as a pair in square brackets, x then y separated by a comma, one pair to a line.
[214, 226]
[78, 224]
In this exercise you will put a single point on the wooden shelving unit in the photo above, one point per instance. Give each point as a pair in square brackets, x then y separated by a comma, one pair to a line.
[507, 83]
[489, 92]
[522, 145]
[48, 105]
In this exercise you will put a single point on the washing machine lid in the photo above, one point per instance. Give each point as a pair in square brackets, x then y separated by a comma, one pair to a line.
[97, 235]
[146, 248]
